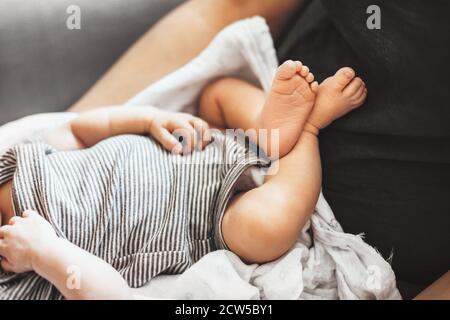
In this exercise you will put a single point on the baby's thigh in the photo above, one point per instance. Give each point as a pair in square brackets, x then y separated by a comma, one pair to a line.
[257, 225]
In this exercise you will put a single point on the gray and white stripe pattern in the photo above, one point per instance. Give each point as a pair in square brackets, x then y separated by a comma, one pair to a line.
[127, 201]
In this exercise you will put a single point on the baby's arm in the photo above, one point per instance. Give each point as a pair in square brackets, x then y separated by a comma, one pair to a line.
[91, 127]
[79, 275]
[29, 243]
[94, 126]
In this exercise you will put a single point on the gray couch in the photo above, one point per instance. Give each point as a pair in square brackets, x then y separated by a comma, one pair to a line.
[45, 67]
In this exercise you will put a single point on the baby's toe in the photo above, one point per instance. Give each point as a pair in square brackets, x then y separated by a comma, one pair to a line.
[315, 87]
[353, 88]
[304, 71]
[360, 97]
[309, 77]
[287, 70]
[343, 77]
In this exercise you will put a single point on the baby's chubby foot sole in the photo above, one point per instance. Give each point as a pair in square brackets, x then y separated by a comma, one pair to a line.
[337, 96]
[288, 106]
[294, 77]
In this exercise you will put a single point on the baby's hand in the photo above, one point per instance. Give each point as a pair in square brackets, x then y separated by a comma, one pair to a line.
[179, 132]
[22, 239]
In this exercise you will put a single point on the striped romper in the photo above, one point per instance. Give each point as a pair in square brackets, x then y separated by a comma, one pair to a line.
[128, 201]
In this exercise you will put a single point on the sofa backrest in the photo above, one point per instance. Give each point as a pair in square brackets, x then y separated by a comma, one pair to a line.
[46, 66]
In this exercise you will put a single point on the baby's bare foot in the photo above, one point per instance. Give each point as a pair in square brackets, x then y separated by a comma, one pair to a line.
[337, 96]
[288, 106]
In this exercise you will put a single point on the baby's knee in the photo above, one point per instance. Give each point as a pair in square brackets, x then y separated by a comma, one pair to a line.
[213, 90]
[212, 98]
[261, 234]
[277, 233]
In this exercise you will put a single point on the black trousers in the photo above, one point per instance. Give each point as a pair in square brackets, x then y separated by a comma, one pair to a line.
[386, 166]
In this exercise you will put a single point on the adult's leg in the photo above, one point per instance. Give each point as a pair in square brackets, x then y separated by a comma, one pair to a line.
[439, 290]
[174, 41]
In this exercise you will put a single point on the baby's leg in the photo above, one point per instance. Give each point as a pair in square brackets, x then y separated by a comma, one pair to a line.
[262, 224]
[232, 103]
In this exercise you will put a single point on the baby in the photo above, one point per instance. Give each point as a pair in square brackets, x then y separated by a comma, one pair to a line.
[120, 195]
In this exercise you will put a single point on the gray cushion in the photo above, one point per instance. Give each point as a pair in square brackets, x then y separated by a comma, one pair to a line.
[45, 67]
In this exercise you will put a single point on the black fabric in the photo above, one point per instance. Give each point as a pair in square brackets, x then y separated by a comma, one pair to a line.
[387, 165]
[409, 290]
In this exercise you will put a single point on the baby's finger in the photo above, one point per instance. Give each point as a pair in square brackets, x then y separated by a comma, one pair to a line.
[187, 137]
[5, 230]
[3, 249]
[202, 129]
[167, 140]
[187, 133]
[14, 220]
[6, 265]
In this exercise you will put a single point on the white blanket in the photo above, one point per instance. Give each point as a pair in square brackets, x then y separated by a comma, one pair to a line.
[325, 263]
